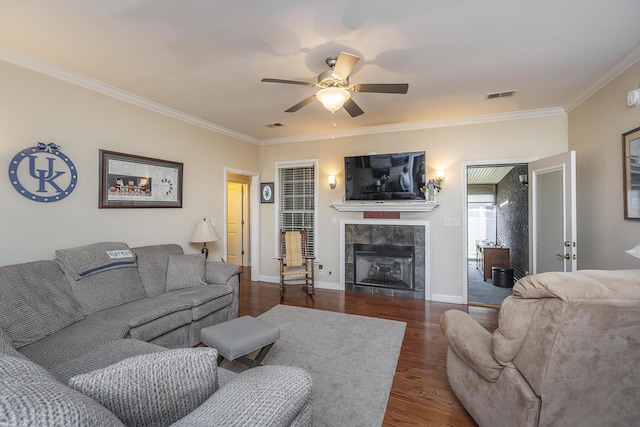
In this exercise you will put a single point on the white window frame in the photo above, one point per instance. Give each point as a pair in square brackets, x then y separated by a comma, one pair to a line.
[277, 200]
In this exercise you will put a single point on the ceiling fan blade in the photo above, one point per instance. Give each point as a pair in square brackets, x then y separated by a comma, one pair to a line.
[301, 104]
[382, 88]
[290, 82]
[352, 108]
[344, 65]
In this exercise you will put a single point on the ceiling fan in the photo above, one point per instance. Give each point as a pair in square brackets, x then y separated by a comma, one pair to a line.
[335, 89]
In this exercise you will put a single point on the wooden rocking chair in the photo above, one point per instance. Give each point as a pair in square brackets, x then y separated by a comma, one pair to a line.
[296, 267]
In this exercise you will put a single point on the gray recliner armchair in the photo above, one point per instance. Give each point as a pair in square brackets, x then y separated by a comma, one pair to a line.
[566, 352]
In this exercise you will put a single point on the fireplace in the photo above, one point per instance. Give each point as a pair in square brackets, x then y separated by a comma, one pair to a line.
[385, 256]
[384, 266]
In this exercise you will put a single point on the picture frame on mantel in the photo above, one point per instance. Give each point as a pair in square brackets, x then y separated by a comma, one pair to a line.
[631, 168]
[130, 181]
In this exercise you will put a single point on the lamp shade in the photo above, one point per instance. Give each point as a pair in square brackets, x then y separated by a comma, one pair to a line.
[333, 98]
[204, 232]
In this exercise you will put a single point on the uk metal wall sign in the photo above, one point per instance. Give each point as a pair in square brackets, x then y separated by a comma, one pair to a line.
[43, 173]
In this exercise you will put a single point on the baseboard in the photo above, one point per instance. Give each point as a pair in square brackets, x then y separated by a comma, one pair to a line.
[451, 299]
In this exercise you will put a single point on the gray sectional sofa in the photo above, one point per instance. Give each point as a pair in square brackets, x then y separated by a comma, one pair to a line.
[103, 335]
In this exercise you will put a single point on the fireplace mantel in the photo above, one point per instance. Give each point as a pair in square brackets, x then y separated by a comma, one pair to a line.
[385, 206]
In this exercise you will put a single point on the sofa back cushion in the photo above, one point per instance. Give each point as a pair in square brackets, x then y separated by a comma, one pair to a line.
[185, 271]
[96, 282]
[31, 396]
[35, 301]
[152, 266]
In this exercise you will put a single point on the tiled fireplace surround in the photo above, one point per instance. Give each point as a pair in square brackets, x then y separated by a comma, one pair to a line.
[396, 232]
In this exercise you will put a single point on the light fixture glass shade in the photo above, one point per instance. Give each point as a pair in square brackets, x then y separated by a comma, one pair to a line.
[332, 181]
[204, 232]
[440, 175]
[333, 98]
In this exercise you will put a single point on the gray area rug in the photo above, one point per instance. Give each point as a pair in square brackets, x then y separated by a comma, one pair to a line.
[352, 360]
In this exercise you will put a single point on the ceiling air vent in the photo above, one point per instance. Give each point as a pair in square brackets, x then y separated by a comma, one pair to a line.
[274, 125]
[506, 93]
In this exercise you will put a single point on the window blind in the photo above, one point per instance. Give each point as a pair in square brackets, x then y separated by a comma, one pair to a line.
[296, 195]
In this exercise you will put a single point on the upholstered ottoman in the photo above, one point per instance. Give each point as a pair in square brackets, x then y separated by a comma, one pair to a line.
[236, 338]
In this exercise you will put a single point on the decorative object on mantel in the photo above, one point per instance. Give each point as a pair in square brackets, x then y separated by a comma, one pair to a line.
[130, 181]
[433, 187]
[631, 167]
[47, 175]
[204, 233]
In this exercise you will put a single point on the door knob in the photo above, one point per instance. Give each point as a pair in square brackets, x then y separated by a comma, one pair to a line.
[565, 256]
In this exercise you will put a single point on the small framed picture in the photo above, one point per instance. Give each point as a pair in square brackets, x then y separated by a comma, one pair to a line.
[266, 192]
[631, 158]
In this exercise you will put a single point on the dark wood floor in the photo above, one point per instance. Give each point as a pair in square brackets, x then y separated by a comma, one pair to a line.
[420, 395]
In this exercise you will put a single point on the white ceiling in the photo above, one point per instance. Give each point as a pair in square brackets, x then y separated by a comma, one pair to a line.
[205, 59]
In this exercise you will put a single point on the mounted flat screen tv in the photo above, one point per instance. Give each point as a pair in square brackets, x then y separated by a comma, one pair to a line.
[393, 177]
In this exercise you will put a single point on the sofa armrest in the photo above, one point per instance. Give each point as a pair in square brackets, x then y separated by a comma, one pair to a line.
[225, 273]
[471, 342]
[264, 396]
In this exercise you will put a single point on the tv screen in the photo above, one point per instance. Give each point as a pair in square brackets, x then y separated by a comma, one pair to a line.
[394, 177]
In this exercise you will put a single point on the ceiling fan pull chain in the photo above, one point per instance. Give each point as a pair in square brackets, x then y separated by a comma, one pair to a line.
[333, 128]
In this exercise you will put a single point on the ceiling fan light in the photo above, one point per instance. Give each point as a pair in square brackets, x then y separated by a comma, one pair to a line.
[333, 98]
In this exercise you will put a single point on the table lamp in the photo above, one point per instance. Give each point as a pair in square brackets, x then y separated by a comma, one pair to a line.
[204, 233]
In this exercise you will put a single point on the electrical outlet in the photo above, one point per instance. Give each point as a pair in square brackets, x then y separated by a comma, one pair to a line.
[320, 269]
[213, 221]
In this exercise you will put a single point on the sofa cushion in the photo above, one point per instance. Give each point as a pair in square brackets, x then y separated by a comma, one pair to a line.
[35, 301]
[184, 271]
[105, 289]
[84, 261]
[204, 300]
[74, 340]
[30, 396]
[152, 266]
[154, 389]
[103, 356]
[148, 318]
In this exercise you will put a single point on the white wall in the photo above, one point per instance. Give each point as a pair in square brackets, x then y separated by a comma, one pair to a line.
[447, 148]
[595, 133]
[34, 107]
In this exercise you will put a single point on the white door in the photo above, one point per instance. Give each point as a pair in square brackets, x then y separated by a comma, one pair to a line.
[234, 223]
[552, 214]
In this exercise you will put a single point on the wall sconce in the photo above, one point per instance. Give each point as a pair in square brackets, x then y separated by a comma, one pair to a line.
[524, 180]
[635, 251]
[204, 233]
[439, 178]
[332, 181]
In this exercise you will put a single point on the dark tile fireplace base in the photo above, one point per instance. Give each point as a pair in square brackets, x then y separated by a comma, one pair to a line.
[383, 234]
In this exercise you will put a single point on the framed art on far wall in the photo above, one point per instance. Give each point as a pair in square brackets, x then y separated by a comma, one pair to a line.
[266, 192]
[130, 181]
[631, 167]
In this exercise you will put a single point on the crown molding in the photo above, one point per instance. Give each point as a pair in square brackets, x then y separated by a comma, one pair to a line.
[406, 127]
[603, 79]
[59, 73]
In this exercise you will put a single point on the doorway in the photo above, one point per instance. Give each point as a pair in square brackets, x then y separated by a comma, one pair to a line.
[238, 219]
[497, 225]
